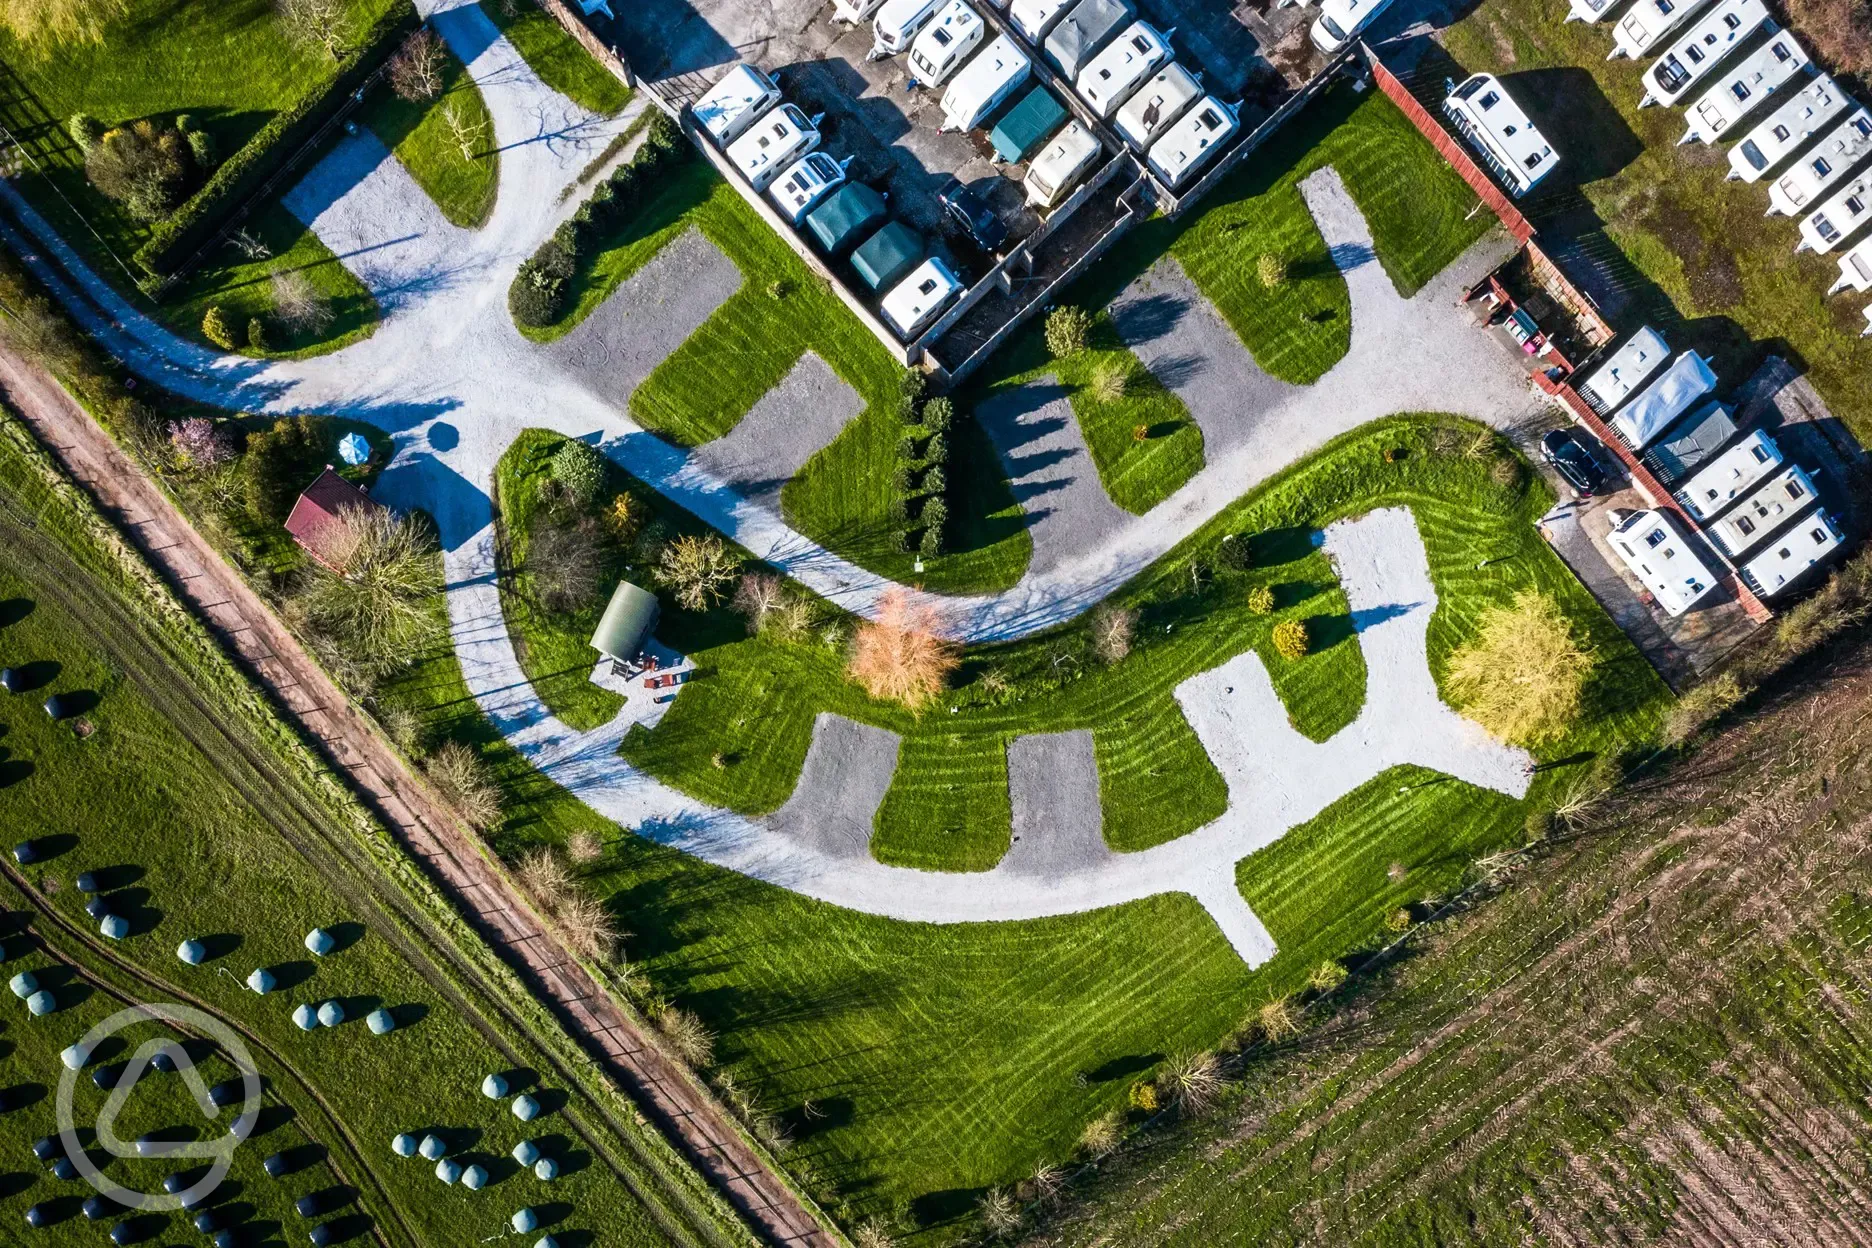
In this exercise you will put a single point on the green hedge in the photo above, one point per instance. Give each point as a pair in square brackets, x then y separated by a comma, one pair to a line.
[176, 238]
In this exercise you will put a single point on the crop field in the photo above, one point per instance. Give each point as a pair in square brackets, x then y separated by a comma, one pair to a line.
[208, 820]
[1699, 261]
[1657, 1034]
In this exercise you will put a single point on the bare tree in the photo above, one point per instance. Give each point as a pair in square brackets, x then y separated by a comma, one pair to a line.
[898, 656]
[1101, 1136]
[568, 563]
[416, 69]
[249, 244]
[461, 776]
[322, 23]
[1112, 630]
[999, 1213]
[45, 23]
[298, 304]
[699, 570]
[469, 133]
[686, 1036]
[758, 594]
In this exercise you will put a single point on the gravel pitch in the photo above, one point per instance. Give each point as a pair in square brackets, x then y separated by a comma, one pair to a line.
[1058, 823]
[791, 423]
[1051, 472]
[840, 788]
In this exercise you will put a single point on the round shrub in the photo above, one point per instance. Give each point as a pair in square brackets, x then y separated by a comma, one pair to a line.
[932, 543]
[1272, 270]
[904, 479]
[934, 482]
[937, 451]
[1067, 328]
[1291, 640]
[935, 513]
[581, 470]
[898, 509]
[906, 542]
[938, 414]
[215, 328]
[910, 445]
[1261, 600]
[201, 146]
[1234, 553]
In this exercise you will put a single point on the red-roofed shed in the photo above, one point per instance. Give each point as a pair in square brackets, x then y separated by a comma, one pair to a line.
[314, 522]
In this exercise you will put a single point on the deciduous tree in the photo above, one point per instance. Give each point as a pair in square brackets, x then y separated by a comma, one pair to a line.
[1523, 675]
[898, 656]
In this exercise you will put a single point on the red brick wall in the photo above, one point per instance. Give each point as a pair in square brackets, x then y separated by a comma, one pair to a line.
[1453, 151]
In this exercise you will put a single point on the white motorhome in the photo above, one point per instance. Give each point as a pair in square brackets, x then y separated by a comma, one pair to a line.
[1122, 68]
[1779, 500]
[1341, 21]
[1790, 558]
[1732, 474]
[1060, 164]
[945, 43]
[1649, 544]
[1154, 107]
[782, 137]
[1191, 141]
[810, 179]
[728, 108]
[1855, 270]
[1629, 367]
[1650, 23]
[1036, 17]
[1820, 169]
[1501, 133]
[1592, 12]
[919, 298]
[1839, 218]
[984, 83]
[1707, 43]
[897, 24]
[1787, 129]
[1745, 88]
[1686, 381]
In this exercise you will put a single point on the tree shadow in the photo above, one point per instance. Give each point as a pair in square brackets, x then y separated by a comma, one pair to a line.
[1288, 544]
[1123, 1067]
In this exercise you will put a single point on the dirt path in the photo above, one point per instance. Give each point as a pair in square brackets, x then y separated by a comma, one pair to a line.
[274, 658]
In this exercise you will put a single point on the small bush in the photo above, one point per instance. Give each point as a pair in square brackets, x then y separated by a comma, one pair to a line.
[1234, 553]
[935, 512]
[1110, 380]
[910, 445]
[581, 470]
[215, 328]
[1278, 1020]
[911, 385]
[1067, 328]
[937, 415]
[687, 1038]
[1523, 676]
[1113, 628]
[1539, 825]
[202, 149]
[1702, 704]
[540, 287]
[931, 543]
[1291, 640]
[1394, 454]
[569, 564]
[257, 335]
[936, 451]
[201, 443]
[779, 289]
[85, 131]
[299, 304]
[1327, 976]
[622, 518]
[279, 463]
[1399, 920]
[999, 1214]
[1261, 600]
[144, 166]
[1272, 270]
[1194, 1082]
[1143, 1096]
[1101, 1136]
[899, 657]
[904, 540]
[933, 480]
[463, 779]
[699, 570]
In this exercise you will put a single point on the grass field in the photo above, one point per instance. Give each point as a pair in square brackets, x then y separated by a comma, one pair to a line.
[232, 66]
[423, 140]
[1659, 1034]
[1703, 265]
[556, 57]
[211, 821]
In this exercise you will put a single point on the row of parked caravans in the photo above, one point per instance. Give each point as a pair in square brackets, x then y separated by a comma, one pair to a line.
[1825, 189]
[1121, 67]
[774, 145]
[1762, 512]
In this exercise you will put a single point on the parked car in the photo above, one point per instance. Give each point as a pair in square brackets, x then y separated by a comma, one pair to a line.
[1574, 460]
[971, 214]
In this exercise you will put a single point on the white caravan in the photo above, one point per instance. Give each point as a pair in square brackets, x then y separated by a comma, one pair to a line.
[1121, 68]
[1592, 12]
[1649, 24]
[1154, 107]
[728, 108]
[1839, 218]
[1787, 129]
[1831, 159]
[811, 179]
[1746, 88]
[852, 12]
[1628, 368]
[782, 137]
[1724, 29]
[1732, 474]
[1500, 132]
[1779, 500]
[983, 83]
[897, 24]
[1191, 141]
[1788, 559]
[919, 298]
[940, 50]
[1060, 164]
[1036, 17]
[1340, 22]
[1649, 544]
[1855, 270]
[1677, 388]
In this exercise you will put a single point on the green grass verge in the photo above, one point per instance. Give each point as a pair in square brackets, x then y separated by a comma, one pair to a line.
[424, 142]
[554, 648]
[1704, 267]
[557, 57]
[251, 844]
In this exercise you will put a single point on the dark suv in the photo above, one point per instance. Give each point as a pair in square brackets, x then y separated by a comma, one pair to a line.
[1574, 460]
[971, 215]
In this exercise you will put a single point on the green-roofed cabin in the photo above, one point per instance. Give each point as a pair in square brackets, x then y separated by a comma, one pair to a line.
[1027, 125]
[627, 623]
[848, 214]
[887, 255]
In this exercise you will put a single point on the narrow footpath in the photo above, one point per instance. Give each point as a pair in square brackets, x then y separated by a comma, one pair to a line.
[302, 691]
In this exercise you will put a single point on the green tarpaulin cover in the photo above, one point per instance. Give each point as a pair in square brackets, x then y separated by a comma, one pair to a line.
[1027, 124]
[847, 215]
[887, 255]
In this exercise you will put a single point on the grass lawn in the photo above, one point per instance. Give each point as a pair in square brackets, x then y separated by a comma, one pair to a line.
[1703, 265]
[216, 823]
[557, 57]
[422, 138]
[232, 66]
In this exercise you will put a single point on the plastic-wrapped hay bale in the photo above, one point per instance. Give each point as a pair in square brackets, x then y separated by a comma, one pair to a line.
[448, 1171]
[24, 984]
[525, 1108]
[275, 1165]
[494, 1087]
[305, 1018]
[75, 1056]
[433, 1148]
[380, 1022]
[41, 1003]
[321, 1235]
[546, 1168]
[87, 883]
[262, 981]
[98, 907]
[192, 952]
[526, 1152]
[330, 1014]
[115, 926]
[319, 942]
[40, 1215]
[524, 1220]
[545, 1241]
[404, 1145]
[474, 1178]
[96, 1208]
[25, 853]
